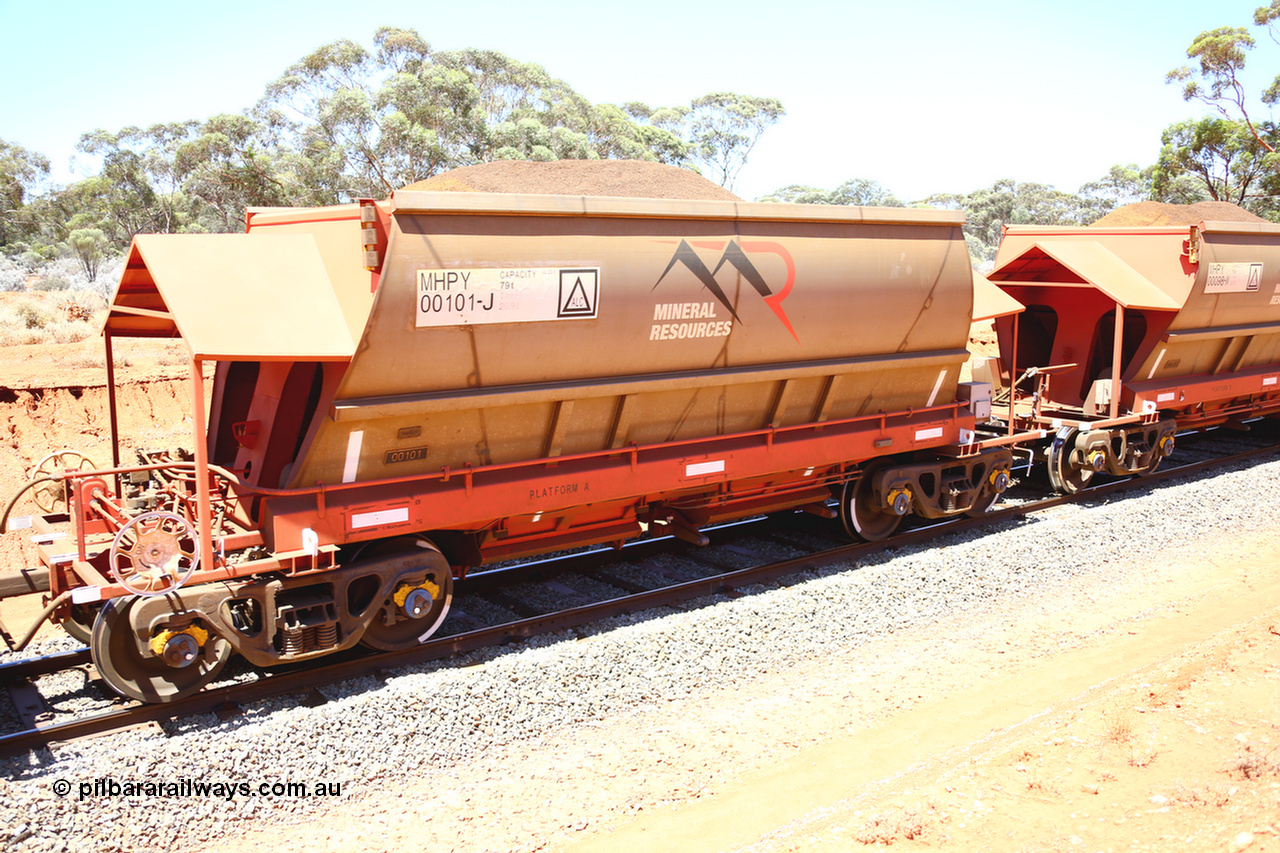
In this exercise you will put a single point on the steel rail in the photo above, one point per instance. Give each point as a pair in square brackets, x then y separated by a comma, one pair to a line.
[303, 678]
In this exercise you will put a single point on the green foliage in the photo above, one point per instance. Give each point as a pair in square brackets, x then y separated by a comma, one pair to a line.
[51, 283]
[31, 316]
[1230, 157]
[88, 246]
[21, 173]
[138, 189]
[1008, 202]
[1223, 155]
[723, 128]
[1121, 185]
[346, 122]
[855, 191]
[224, 167]
[379, 121]
[1221, 56]
[988, 210]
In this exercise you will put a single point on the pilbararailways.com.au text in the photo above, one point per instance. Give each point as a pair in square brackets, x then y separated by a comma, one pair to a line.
[194, 788]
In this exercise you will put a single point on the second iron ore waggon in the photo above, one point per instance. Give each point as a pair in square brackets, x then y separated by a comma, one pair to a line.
[402, 390]
[1130, 334]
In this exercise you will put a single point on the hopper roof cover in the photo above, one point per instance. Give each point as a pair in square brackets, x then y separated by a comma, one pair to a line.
[257, 297]
[990, 302]
[1085, 263]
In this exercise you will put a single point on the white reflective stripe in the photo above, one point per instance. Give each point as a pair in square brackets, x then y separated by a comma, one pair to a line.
[699, 468]
[922, 434]
[1270, 380]
[1159, 358]
[937, 386]
[1164, 398]
[399, 515]
[310, 542]
[85, 594]
[354, 440]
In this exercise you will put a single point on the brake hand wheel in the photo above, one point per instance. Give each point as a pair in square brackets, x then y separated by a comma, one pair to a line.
[155, 553]
[51, 496]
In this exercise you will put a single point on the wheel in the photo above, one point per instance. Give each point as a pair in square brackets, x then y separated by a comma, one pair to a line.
[418, 601]
[862, 519]
[154, 553]
[1065, 478]
[185, 665]
[51, 497]
[79, 625]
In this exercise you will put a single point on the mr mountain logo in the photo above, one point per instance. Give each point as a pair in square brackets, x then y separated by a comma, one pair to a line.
[700, 319]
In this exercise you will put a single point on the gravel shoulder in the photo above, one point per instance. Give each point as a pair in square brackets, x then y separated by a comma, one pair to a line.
[971, 695]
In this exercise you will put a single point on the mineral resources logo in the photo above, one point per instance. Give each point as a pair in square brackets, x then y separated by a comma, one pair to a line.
[699, 319]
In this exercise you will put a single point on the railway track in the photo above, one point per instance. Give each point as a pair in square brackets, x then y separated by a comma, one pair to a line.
[509, 604]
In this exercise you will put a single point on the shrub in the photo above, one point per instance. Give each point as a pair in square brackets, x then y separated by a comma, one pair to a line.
[31, 316]
[51, 283]
[13, 276]
[69, 332]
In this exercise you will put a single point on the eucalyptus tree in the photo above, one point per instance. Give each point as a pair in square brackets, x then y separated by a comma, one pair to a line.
[380, 120]
[855, 191]
[137, 189]
[1220, 54]
[89, 247]
[1123, 184]
[1224, 156]
[724, 127]
[224, 165]
[1233, 156]
[22, 172]
[1008, 202]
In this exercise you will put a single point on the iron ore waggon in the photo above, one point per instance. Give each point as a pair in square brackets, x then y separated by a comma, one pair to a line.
[403, 390]
[1130, 334]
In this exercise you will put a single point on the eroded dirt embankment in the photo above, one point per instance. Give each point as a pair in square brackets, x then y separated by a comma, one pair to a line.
[36, 422]
[54, 398]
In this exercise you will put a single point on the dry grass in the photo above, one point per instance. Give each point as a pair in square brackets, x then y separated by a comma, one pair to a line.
[1201, 795]
[1181, 676]
[901, 824]
[1256, 762]
[44, 319]
[1118, 726]
[1144, 753]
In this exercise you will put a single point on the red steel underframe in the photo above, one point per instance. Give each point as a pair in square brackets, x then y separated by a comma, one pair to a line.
[797, 460]
[1195, 401]
[1258, 389]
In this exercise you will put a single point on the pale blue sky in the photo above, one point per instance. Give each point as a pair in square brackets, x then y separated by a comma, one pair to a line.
[922, 96]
